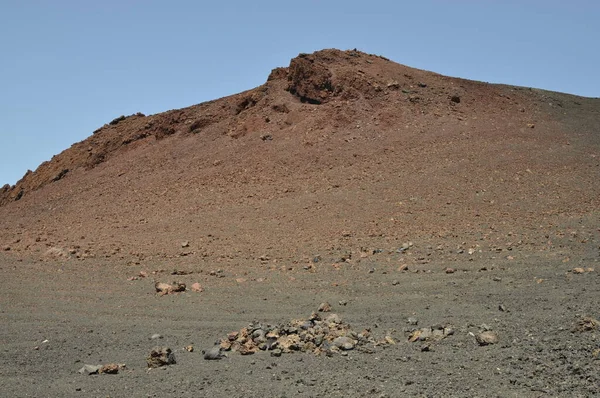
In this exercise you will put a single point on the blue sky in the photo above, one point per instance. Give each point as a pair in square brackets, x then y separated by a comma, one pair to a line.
[68, 67]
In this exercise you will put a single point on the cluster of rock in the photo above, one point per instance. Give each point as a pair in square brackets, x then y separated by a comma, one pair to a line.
[318, 334]
[434, 333]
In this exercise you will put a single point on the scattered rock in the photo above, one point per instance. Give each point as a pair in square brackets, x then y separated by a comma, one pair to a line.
[180, 272]
[156, 336]
[160, 356]
[214, 353]
[189, 348]
[395, 282]
[165, 288]
[185, 244]
[196, 287]
[412, 321]
[434, 333]
[324, 307]
[502, 308]
[455, 99]
[530, 125]
[486, 338]
[5, 248]
[60, 175]
[405, 246]
[578, 270]
[450, 270]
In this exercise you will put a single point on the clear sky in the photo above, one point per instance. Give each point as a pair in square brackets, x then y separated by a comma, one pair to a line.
[68, 67]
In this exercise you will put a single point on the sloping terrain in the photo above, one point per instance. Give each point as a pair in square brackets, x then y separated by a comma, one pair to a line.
[340, 147]
[412, 202]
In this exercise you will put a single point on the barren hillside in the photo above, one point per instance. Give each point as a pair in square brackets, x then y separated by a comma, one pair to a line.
[339, 149]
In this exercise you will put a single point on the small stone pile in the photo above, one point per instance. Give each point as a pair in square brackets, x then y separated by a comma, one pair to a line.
[318, 334]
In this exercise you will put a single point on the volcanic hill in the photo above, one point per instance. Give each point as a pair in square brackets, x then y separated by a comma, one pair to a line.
[340, 149]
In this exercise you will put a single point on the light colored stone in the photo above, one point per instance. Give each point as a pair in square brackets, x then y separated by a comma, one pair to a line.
[487, 338]
[89, 369]
[344, 343]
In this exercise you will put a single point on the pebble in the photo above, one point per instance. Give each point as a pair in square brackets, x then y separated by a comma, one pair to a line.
[196, 287]
[324, 307]
[165, 288]
[276, 352]
[214, 353]
[344, 343]
[111, 368]
[156, 336]
[89, 369]
[412, 321]
[487, 338]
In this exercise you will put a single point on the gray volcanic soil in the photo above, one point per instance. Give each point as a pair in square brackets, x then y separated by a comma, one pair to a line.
[342, 156]
[91, 314]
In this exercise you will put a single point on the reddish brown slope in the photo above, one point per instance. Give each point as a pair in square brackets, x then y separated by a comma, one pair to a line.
[340, 149]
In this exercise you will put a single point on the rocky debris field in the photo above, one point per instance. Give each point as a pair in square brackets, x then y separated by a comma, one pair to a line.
[528, 330]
